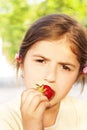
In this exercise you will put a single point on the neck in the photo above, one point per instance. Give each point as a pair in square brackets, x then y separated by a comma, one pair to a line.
[50, 115]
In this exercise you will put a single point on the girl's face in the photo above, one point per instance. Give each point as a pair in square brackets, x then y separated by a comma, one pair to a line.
[52, 63]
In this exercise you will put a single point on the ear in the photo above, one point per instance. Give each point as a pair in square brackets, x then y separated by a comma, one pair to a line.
[80, 77]
[22, 69]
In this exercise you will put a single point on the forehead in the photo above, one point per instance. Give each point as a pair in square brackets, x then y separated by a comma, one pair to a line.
[59, 40]
[58, 48]
[64, 42]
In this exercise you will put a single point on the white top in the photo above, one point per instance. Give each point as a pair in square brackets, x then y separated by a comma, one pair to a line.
[72, 115]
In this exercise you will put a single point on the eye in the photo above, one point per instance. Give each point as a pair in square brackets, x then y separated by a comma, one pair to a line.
[65, 67]
[40, 60]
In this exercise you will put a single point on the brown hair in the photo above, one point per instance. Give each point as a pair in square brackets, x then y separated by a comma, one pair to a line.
[54, 27]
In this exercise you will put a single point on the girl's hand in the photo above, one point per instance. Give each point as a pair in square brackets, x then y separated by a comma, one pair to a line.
[33, 105]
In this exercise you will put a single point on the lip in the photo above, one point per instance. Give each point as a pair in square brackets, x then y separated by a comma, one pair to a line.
[46, 90]
[37, 84]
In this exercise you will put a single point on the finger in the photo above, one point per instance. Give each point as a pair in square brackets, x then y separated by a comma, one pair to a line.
[36, 100]
[26, 93]
[31, 110]
[42, 107]
[25, 105]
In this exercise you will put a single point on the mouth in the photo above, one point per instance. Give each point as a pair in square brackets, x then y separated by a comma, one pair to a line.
[46, 90]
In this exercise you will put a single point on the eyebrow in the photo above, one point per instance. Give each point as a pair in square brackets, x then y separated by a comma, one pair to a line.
[41, 57]
[67, 63]
[61, 63]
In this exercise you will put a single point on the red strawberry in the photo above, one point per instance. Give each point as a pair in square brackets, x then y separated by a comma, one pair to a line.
[46, 90]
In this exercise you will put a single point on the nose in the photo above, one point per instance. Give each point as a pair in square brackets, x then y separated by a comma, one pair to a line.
[50, 75]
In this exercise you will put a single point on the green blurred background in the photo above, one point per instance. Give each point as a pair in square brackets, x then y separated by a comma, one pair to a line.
[17, 15]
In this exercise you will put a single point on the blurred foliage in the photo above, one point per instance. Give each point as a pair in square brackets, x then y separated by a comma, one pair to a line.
[17, 15]
[12, 24]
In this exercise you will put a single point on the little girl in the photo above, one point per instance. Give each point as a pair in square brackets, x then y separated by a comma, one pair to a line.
[53, 54]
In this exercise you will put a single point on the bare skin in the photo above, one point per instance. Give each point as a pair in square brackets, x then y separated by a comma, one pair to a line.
[57, 67]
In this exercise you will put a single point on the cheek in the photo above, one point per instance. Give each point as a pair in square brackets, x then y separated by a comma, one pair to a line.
[62, 91]
[32, 76]
[29, 78]
[64, 85]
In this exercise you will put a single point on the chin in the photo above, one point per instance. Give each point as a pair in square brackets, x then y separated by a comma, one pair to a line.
[54, 103]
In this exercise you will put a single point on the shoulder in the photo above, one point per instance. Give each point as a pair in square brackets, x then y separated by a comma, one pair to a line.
[76, 109]
[10, 105]
[81, 111]
[76, 102]
[10, 115]
[80, 104]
